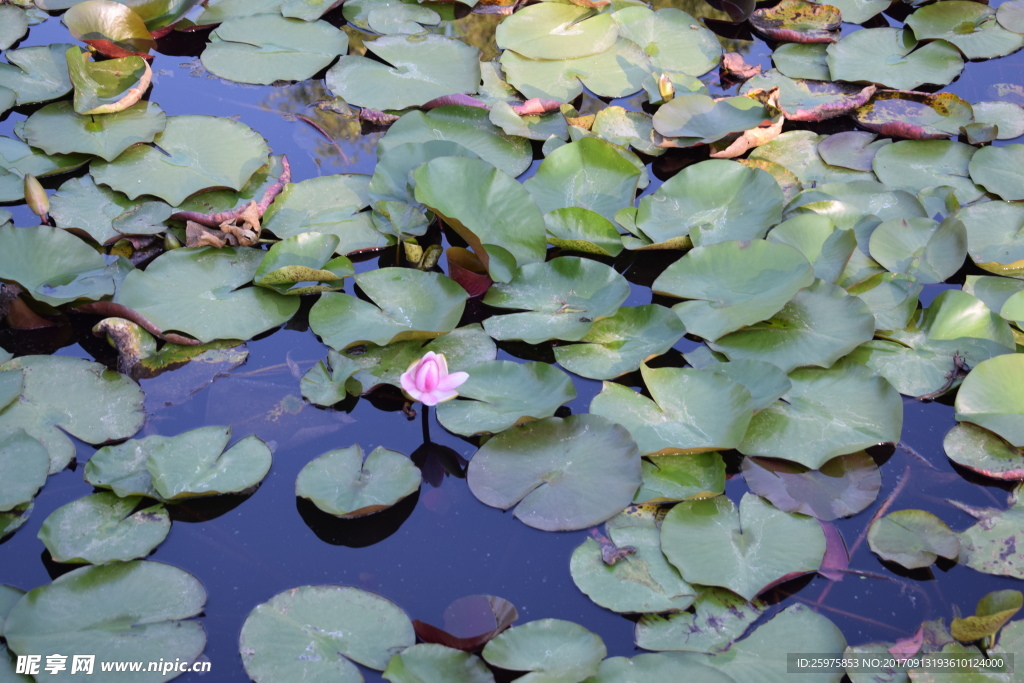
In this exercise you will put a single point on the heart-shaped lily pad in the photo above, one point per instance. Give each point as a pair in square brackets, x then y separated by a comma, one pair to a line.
[893, 57]
[315, 633]
[550, 649]
[196, 153]
[562, 299]
[138, 610]
[64, 396]
[201, 292]
[57, 129]
[627, 572]
[842, 487]
[826, 413]
[25, 462]
[265, 48]
[104, 528]
[342, 483]
[760, 279]
[561, 474]
[500, 394]
[410, 304]
[971, 26]
[690, 411]
[746, 550]
[912, 538]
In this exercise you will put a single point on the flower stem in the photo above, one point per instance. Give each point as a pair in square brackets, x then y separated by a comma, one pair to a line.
[426, 424]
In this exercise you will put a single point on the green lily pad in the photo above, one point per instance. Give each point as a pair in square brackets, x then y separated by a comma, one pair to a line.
[342, 483]
[641, 579]
[578, 229]
[690, 411]
[197, 153]
[19, 160]
[390, 16]
[196, 464]
[626, 128]
[53, 266]
[971, 27]
[217, 201]
[492, 212]
[315, 633]
[765, 381]
[556, 31]
[8, 98]
[57, 129]
[550, 649]
[37, 74]
[914, 165]
[807, 100]
[921, 116]
[994, 238]
[682, 476]
[104, 528]
[108, 86]
[828, 248]
[797, 151]
[762, 655]
[99, 211]
[707, 203]
[201, 292]
[561, 474]
[919, 359]
[223, 10]
[998, 170]
[912, 538]
[429, 661]
[859, 11]
[561, 298]
[305, 257]
[65, 396]
[695, 119]
[266, 47]
[853, 149]
[745, 550]
[622, 342]
[924, 248]
[993, 291]
[13, 25]
[14, 520]
[1007, 116]
[842, 487]
[415, 70]
[1011, 16]
[990, 397]
[818, 326]
[653, 667]
[802, 60]
[611, 180]
[391, 179]
[500, 394]
[25, 462]
[466, 126]
[826, 413]
[760, 278]
[990, 546]
[984, 452]
[798, 21]
[408, 304]
[139, 610]
[111, 27]
[893, 58]
[673, 40]
[720, 617]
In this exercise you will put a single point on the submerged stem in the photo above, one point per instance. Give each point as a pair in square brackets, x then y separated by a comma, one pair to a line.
[426, 424]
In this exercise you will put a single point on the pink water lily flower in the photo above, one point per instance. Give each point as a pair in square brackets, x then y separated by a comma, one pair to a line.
[428, 380]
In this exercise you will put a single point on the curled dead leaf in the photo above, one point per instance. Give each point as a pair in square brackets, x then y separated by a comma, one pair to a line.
[734, 68]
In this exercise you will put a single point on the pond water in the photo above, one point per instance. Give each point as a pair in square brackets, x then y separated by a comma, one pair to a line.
[443, 543]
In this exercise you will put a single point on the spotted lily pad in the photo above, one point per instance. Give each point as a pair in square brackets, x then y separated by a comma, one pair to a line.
[139, 610]
[53, 266]
[201, 292]
[842, 487]
[893, 58]
[970, 26]
[807, 100]
[984, 452]
[998, 170]
[561, 474]
[746, 550]
[912, 538]
[640, 580]
[550, 649]
[64, 396]
[37, 74]
[25, 461]
[342, 483]
[719, 618]
[315, 633]
[413, 71]
[991, 545]
[993, 612]
[690, 410]
[622, 342]
[826, 413]
[761, 277]
[104, 528]
[798, 21]
[921, 116]
[57, 129]
[266, 47]
[408, 304]
[500, 394]
[305, 257]
[196, 153]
